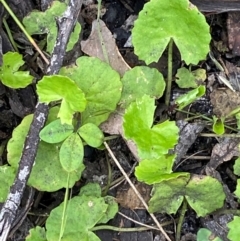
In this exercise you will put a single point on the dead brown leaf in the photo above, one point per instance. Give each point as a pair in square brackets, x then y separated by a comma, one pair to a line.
[95, 44]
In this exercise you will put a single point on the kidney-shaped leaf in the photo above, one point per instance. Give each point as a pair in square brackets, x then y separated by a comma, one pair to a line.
[160, 21]
[9, 74]
[57, 87]
[151, 142]
[100, 84]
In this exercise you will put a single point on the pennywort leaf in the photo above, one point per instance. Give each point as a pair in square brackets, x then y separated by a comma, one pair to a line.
[57, 87]
[9, 73]
[151, 141]
[160, 21]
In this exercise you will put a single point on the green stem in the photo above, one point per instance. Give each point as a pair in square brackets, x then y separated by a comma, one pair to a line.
[169, 77]
[64, 214]
[136, 229]
[181, 219]
[23, 29]
[10, 35]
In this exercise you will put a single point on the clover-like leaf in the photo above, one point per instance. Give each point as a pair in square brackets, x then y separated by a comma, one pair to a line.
[160, 21]
[151, 141]
[91, 134]
[100, 84]
[141, 80]
[9, 74]
[71, 153]
[168, 195]
[57, 87]
[47, 173]
[55, 132]
[157, 170]
[38, 22]
[206, 234]
[236, 167]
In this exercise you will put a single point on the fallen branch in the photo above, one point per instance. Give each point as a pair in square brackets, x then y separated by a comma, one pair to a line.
[10, 207]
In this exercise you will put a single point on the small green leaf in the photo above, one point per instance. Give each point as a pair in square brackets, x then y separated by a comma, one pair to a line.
[56, 132]
[7, 175]
[185, 79]
[71, 153]
[186, 99]
[236, 167]
[205, 234]
[45, 23]
[152, 142]
[102, 87]
[9, 74]
[37, 234]
[57, 87]
[234, 231]
[157, 170]
[160, 21]
[141, 80]
[111, 210]
[237, 191]
[218, 125]
[91, 189]
[91, 134]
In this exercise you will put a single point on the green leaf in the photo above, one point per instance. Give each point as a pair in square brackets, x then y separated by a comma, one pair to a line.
[37, 234]
[7, 175]
[167, 196]
[157, 170]
[234, 231]
[45, 23]
[55, 132]
[141, 80]
[9, 74]
[152, 142]
[205, 234]
[218, 125]
[200, 195]
[91, 134]
[159, 21]
[57, 87]
[185, 78]
[47, 173]
[91, 189]
[236, 167]
[83, 213]
[237, 191]
[198, 191]
[102, 87]
[71, 153]
[186, 99]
